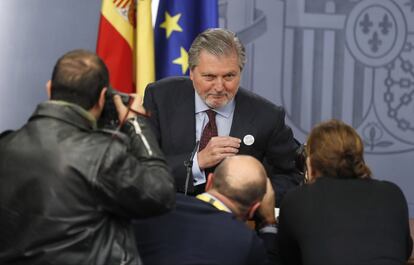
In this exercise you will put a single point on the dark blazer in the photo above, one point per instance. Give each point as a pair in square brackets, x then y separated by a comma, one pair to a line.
[198, 233]
[172, 107]
[345, 221]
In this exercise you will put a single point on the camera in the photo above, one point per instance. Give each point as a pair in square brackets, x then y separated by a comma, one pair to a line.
[109, 116]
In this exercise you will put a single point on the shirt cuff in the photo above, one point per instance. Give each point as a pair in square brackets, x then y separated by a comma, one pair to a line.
[271, 228]
[198, 175]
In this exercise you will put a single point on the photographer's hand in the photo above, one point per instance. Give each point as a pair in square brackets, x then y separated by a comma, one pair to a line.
[126, 112]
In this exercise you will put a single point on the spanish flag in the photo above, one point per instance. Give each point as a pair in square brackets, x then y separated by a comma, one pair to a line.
[126, 43]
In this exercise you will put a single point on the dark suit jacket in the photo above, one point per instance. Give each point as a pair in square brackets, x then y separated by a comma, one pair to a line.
[198, 233]
[345, 221]
[172, 107]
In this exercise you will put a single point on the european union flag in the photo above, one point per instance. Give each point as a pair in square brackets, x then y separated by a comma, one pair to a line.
[178, 23]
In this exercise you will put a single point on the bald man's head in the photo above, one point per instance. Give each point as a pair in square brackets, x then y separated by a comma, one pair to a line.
[240, 178]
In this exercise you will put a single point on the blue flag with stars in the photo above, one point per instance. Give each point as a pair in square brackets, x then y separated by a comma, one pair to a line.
[178, 23]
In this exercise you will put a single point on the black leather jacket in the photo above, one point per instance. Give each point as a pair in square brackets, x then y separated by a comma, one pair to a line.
[69, 191]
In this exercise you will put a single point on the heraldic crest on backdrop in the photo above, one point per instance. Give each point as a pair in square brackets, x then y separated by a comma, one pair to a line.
[347, 59]
[352, 60]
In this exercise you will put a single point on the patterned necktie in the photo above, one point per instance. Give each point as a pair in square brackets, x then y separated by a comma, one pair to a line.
[210, 130]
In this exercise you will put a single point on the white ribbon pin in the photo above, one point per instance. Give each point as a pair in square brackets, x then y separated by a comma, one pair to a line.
[248, 139]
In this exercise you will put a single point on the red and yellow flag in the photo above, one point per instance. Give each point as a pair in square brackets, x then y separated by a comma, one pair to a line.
[126, 43]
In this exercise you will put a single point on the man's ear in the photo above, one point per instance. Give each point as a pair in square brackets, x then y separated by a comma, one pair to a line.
[252, 210]
[49, 89]
[191, 75]
[209, 183]
[101, 101]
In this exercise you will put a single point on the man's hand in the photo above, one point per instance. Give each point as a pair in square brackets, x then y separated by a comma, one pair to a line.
[217, 149]
[266, 210]
[123, 112]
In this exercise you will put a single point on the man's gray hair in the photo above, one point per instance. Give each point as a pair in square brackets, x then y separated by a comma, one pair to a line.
[216, 41]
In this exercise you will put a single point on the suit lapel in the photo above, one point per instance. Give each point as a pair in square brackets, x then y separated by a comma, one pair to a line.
[182, 118]
[243, 118]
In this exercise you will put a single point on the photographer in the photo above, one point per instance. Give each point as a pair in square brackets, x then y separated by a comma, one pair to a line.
[67, 190]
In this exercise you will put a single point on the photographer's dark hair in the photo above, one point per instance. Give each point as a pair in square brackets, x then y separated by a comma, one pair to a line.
[79, 77]
[336, 150]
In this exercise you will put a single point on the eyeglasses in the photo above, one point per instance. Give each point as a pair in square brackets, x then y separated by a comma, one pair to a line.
[302, 157]
[305, 174]
[301, 162]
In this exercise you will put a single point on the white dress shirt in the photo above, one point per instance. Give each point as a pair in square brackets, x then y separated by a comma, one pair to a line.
[224, 119]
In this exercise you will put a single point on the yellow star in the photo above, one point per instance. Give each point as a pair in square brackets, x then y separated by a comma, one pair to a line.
[182, 60]
[170, 24]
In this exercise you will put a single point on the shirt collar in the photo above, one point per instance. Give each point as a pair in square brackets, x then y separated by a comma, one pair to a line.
[67, 111]
[225, 110]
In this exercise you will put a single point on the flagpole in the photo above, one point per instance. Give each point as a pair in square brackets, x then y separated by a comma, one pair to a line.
[145, 67]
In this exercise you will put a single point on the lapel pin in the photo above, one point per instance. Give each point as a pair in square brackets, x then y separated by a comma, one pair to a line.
[248, 139]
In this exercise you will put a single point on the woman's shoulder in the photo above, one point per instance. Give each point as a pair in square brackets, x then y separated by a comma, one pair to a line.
[387, 186]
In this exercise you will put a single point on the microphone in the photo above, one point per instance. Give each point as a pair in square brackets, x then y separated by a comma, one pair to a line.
[189, 165]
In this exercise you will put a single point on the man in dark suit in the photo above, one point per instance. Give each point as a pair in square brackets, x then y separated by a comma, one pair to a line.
[210, 228]
[243, 123]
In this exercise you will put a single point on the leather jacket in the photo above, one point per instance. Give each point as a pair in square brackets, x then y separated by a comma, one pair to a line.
[69, 191]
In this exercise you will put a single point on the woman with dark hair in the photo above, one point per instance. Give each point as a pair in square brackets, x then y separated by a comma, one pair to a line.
[342, 215]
